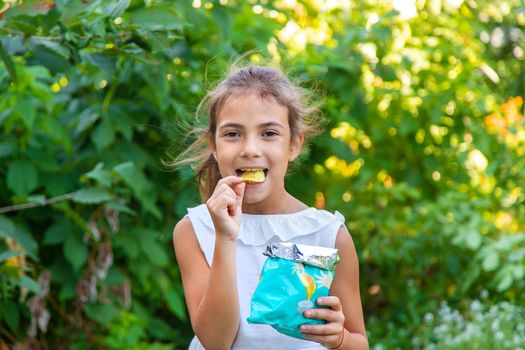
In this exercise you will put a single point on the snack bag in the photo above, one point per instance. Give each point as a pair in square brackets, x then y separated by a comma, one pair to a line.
[292, 278]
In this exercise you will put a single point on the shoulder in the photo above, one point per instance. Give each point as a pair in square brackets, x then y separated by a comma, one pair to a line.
[343, 238]
[184, 236]
[183, 228]
[345, 245]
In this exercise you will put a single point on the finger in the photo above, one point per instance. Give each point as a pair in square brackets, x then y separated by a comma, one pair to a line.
[239, 191]
[314, 337]
[322, 329]
[230, 181]
[231, 202]
[324, 314]
[331, 301]
[218, 194]
[220, 189]
[227, 199]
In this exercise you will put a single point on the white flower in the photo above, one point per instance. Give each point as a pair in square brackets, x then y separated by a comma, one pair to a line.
[495, 325]
[475, 306]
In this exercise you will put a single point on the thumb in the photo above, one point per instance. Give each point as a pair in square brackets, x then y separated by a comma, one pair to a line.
[239, 191]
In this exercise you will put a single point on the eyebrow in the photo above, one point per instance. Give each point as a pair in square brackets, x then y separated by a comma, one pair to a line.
[240, 126]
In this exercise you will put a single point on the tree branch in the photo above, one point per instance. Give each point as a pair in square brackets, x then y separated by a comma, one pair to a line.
[33, 204]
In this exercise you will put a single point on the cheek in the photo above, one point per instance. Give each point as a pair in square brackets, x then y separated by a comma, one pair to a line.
[280, 161]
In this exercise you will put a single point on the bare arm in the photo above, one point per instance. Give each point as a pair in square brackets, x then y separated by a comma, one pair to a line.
[211, 293]
[346, 288]
[345, 326]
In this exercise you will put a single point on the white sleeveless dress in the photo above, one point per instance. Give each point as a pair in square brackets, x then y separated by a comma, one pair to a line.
[309, 226]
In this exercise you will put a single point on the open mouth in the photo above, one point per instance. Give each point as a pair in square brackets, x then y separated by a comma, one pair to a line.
[253, 176]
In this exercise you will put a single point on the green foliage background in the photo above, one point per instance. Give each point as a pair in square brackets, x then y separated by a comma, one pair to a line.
[424, 154]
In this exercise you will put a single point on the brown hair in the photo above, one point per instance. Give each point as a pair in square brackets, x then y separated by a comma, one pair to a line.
[303, 118]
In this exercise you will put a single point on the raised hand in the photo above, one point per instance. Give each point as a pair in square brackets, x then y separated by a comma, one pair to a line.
[225, 206]
[330, 334]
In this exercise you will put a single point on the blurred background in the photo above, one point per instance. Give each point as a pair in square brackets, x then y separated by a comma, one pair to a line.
[424, 154]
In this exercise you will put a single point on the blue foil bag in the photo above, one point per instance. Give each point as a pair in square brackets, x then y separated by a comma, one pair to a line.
[292, 278]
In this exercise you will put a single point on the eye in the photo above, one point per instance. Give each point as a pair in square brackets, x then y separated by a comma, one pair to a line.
[231, 134]
[270, 133]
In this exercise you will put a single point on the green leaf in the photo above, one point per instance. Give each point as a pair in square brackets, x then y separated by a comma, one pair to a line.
[491, 261]
[176, 304]
[10, 313]
[8, 63]
[161, 330]
[128, 244]
[102, 313]
[132, 176]
[7, 228]
[30, 284]
[58, 232]
[116, 8]
[114, 277]
[50, 59]
[105, 62]
[22, 177]
[157, 18]
[102, 176]
[72, 11]
[154, 251]
[26, 110]
[53, 46]
[61, 271]
[6, 150]
[8, 254]
[473, 239]
[505, 283]
[13, 44]
[92, 195]
[87, 118]
[20, 235]
[75, 252]
[120, 207]
[518, 272]
[224, 21]
[40, 72]
[386, 72]
[104, 135]
[68, 292]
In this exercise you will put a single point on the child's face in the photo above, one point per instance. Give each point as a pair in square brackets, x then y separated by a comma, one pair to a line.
[253, 133]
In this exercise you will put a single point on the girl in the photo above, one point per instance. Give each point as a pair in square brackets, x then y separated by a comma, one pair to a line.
[257, 126]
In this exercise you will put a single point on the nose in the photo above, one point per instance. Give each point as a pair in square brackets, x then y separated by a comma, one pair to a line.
[251, 148]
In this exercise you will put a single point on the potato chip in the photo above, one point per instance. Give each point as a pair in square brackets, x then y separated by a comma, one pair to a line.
[253, 176]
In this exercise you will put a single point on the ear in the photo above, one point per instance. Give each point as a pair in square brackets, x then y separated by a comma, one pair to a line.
[211, 145]
[295, 146]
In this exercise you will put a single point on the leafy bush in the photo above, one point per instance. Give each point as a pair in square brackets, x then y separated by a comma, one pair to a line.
[424, 154]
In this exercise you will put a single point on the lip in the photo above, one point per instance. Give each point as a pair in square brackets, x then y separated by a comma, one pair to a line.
[255, 185]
